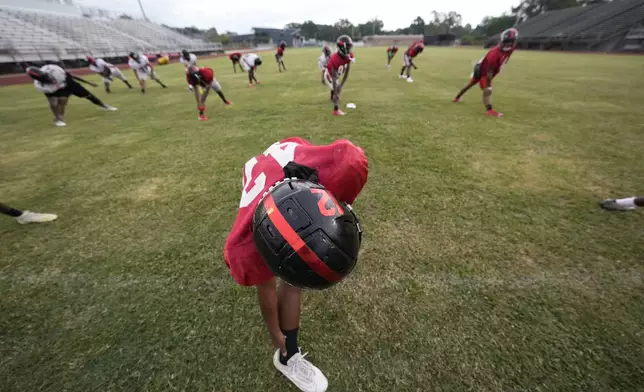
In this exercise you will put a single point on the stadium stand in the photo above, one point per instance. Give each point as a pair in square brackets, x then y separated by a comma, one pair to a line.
[599, 27]
[63, 33]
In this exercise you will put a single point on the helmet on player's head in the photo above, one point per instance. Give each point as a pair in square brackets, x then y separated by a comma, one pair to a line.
[36, 74]
[345, 45]
[509, 39]
[91, 60]
[283, 44]
[326, 50]
[419, 47]
[134, 56]
[258, 62]
[194, 77]
[305, 236]
[185, 54]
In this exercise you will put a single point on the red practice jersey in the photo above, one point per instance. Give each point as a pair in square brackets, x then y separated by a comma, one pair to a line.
[342, 169]
[411, 51]
[234, 56]
[494, 60]
[280, 51]
[392, 49]
[207, 75]
[336, 61]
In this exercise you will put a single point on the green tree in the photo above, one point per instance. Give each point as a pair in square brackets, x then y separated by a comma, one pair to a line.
[417, 26]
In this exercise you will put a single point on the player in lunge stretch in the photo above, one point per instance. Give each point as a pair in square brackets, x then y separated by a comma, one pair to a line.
[279, 55]
[295, 225]
[188, 60]
[143, 70]
[249, 63]
[391, 53]
[489, 67]
[58, 85]
[338, 66]
[408, 59]
[107, 71]
[204, 78]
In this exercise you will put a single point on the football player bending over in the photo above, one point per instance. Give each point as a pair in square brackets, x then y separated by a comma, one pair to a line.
[295, 225]
[323, 61]
[205, 78]
[58, 85]
[189, 60]
[338, 66]
[391, 53]
[249, 63]
[489, 66]
[107, 71]
[143, 70]
[408, 59]
[279, 55]
[235, 58]
[627, 204]
[23, 217]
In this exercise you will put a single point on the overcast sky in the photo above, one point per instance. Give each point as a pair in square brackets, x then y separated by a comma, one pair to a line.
[241, 15]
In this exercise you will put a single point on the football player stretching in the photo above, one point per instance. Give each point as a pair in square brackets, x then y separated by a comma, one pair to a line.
[338, 67]
[489, 67]
[204, 78]
[408, 59]
[295, 226]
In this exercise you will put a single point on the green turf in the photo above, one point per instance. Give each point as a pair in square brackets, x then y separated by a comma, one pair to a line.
[486, 266]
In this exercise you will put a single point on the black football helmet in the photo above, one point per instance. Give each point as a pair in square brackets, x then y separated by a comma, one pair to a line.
[420, 47]
[134, 56]
[345, 45]
[283, 44]
[194, 77]
[36, 74]
[326, 50]
[91, 60]
[509, 39]
[305, 236]
[185, 54]
[258, 62]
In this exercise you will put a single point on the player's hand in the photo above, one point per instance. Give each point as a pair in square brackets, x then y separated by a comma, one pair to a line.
[279, 341]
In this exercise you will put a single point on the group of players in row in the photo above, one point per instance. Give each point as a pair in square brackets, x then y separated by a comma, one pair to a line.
[58, 85]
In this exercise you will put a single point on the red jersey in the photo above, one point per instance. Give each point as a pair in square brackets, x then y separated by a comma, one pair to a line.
[336, 61]
[411, 51]
[494, 60]
[280, 51]
[234, 56]
[207, 75]
[342, 169]
[392, 49]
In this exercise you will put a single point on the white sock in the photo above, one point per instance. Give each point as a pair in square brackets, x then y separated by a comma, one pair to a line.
[627, 202]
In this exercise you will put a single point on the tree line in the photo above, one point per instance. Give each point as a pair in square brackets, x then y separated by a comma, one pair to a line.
[437, 23]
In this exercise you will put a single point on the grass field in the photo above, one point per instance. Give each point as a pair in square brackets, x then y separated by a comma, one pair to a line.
[487, 264]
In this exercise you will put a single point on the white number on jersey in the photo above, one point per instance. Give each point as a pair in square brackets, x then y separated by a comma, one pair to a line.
[282, 153]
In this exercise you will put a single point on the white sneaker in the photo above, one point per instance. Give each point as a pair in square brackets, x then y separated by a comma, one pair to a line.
[302, 373]
[190, 88]
[35, 217]
[410, 80]
[59, 123]
[402, 76]
[110, 108]
[388, 66]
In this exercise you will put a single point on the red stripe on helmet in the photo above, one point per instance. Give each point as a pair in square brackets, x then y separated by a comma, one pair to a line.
[297, 243]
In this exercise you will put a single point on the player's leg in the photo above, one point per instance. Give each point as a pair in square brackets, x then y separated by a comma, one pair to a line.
[402, 71]
[53, 106]
[217, 87]
[288, 305]
[156, 79]
[106, 82]
[81, 92]
[26, 216]
[252, 73]
[468, 86]
[626, 204]
[201, 102]
[279, 64]
[283, 65]
[62, 105]
[487, 98]
[119, 75]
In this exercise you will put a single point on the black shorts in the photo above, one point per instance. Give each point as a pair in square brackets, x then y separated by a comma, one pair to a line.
[476, 74]
[72, 88]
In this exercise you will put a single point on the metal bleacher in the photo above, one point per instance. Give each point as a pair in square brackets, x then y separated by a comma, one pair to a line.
[595, 27]
[40, 36]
